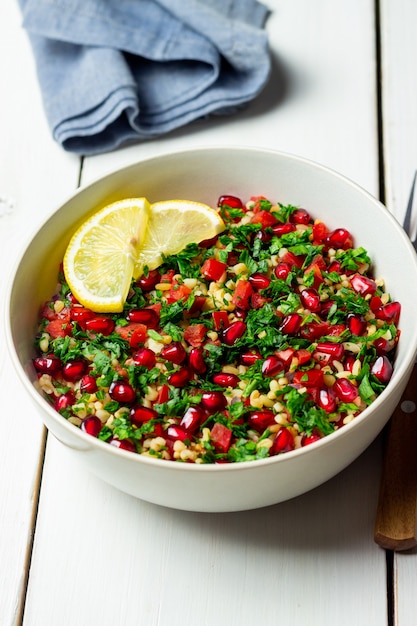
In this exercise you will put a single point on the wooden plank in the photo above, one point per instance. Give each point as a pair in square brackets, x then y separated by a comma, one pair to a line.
[399, 91]
[34, 174]
[103, 557]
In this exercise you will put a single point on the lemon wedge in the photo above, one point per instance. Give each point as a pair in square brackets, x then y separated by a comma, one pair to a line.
[173, 224]
[101, 256]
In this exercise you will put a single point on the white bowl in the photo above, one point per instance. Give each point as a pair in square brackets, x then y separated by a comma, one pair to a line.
[204, 175]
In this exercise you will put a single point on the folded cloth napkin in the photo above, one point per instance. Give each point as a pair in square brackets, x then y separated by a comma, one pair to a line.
[115, 71]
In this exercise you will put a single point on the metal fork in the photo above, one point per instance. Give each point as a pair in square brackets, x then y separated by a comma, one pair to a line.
[396, 519]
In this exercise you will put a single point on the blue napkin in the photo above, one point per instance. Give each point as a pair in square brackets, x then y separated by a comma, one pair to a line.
[113, 72]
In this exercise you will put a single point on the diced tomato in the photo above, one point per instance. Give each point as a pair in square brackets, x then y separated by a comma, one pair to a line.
[194, 334]
[265, 218]
[316, 266]
[336, 329]
[292, 259]
[213, 269]
[303, 356]
[257, 204]
[309, 378]
[320, 232]
[167, 277]
[177, 292]
[58, 328]
[197, 305]
[257, 301]
[135, 333]
[314, 330]
[241, 295]
[163, 395]
[220, 319]
[286, 356]
[221, 437]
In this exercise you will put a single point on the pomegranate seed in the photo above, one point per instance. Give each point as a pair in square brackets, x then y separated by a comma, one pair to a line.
[345, 390]
[226, 380]
[382, 369]
[180, 378]
[176, 433]
[283, 229]
[100, 324]
[264, 236]
[74, 370]
[47, 364]
[335, 350]
[196, 360]
[349, 362]
[327, 399]
[66, 400]
[140, 414]
[147, 283]
[230, 201]
[192, 419]
[291, 324]
[123, 444]
[339, 239]
[91, 425]
[306, 441]
[282, 270]
[325, 308]
[213, 401]
[233, 333]
[259, 281]
[389, 312]
[149, 317]
[260, 420]
[383, 346]
[335, 266]
[80, 315]
[145, 357]
[88, 384]
[249, 358]
[283, 442]
[300, 216]
[363, 284]
[122, 392]
[356, 324]
[311, 299]
[272, 366]
[174, 352]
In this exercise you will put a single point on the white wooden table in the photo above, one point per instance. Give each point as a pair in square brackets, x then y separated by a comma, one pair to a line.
[76, 552]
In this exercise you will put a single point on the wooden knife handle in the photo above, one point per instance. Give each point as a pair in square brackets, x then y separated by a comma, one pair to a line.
[395, 526]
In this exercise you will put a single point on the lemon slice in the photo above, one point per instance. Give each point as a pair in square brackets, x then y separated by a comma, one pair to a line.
[173, 224]
[100, 258]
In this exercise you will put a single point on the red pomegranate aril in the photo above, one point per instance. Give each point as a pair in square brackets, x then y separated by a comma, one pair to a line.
[64, 401]
[144, 357]
[80, 315]
[249, 358]
[383, 346]
[231, 201]
[272, 366]
[382, 369]
[335, 350]
[309, 439]
[300, 216]
[283, 229]
[140, 414]
[213, 401]
[291, 324]
[74, 370]
[349, 362]
[259, 281]
[345, 390]
[226, 380]
[174, 352]
[335, 266]
[91, 425]
[234, 332]
[176, 433]
[356, 324]
[123, 444]
[327, 399]
[192, 419]
[196, 360]
[100, 324]
[122, 392]
[389, 312]
[88, 384]
[340, 238]
[283, 442]
[50, 364]
[282, 270]
[260, 420]
[180, 378]
[149, 317]
[148, 282]
[311, 299]
[264, 236]
[363, 285]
